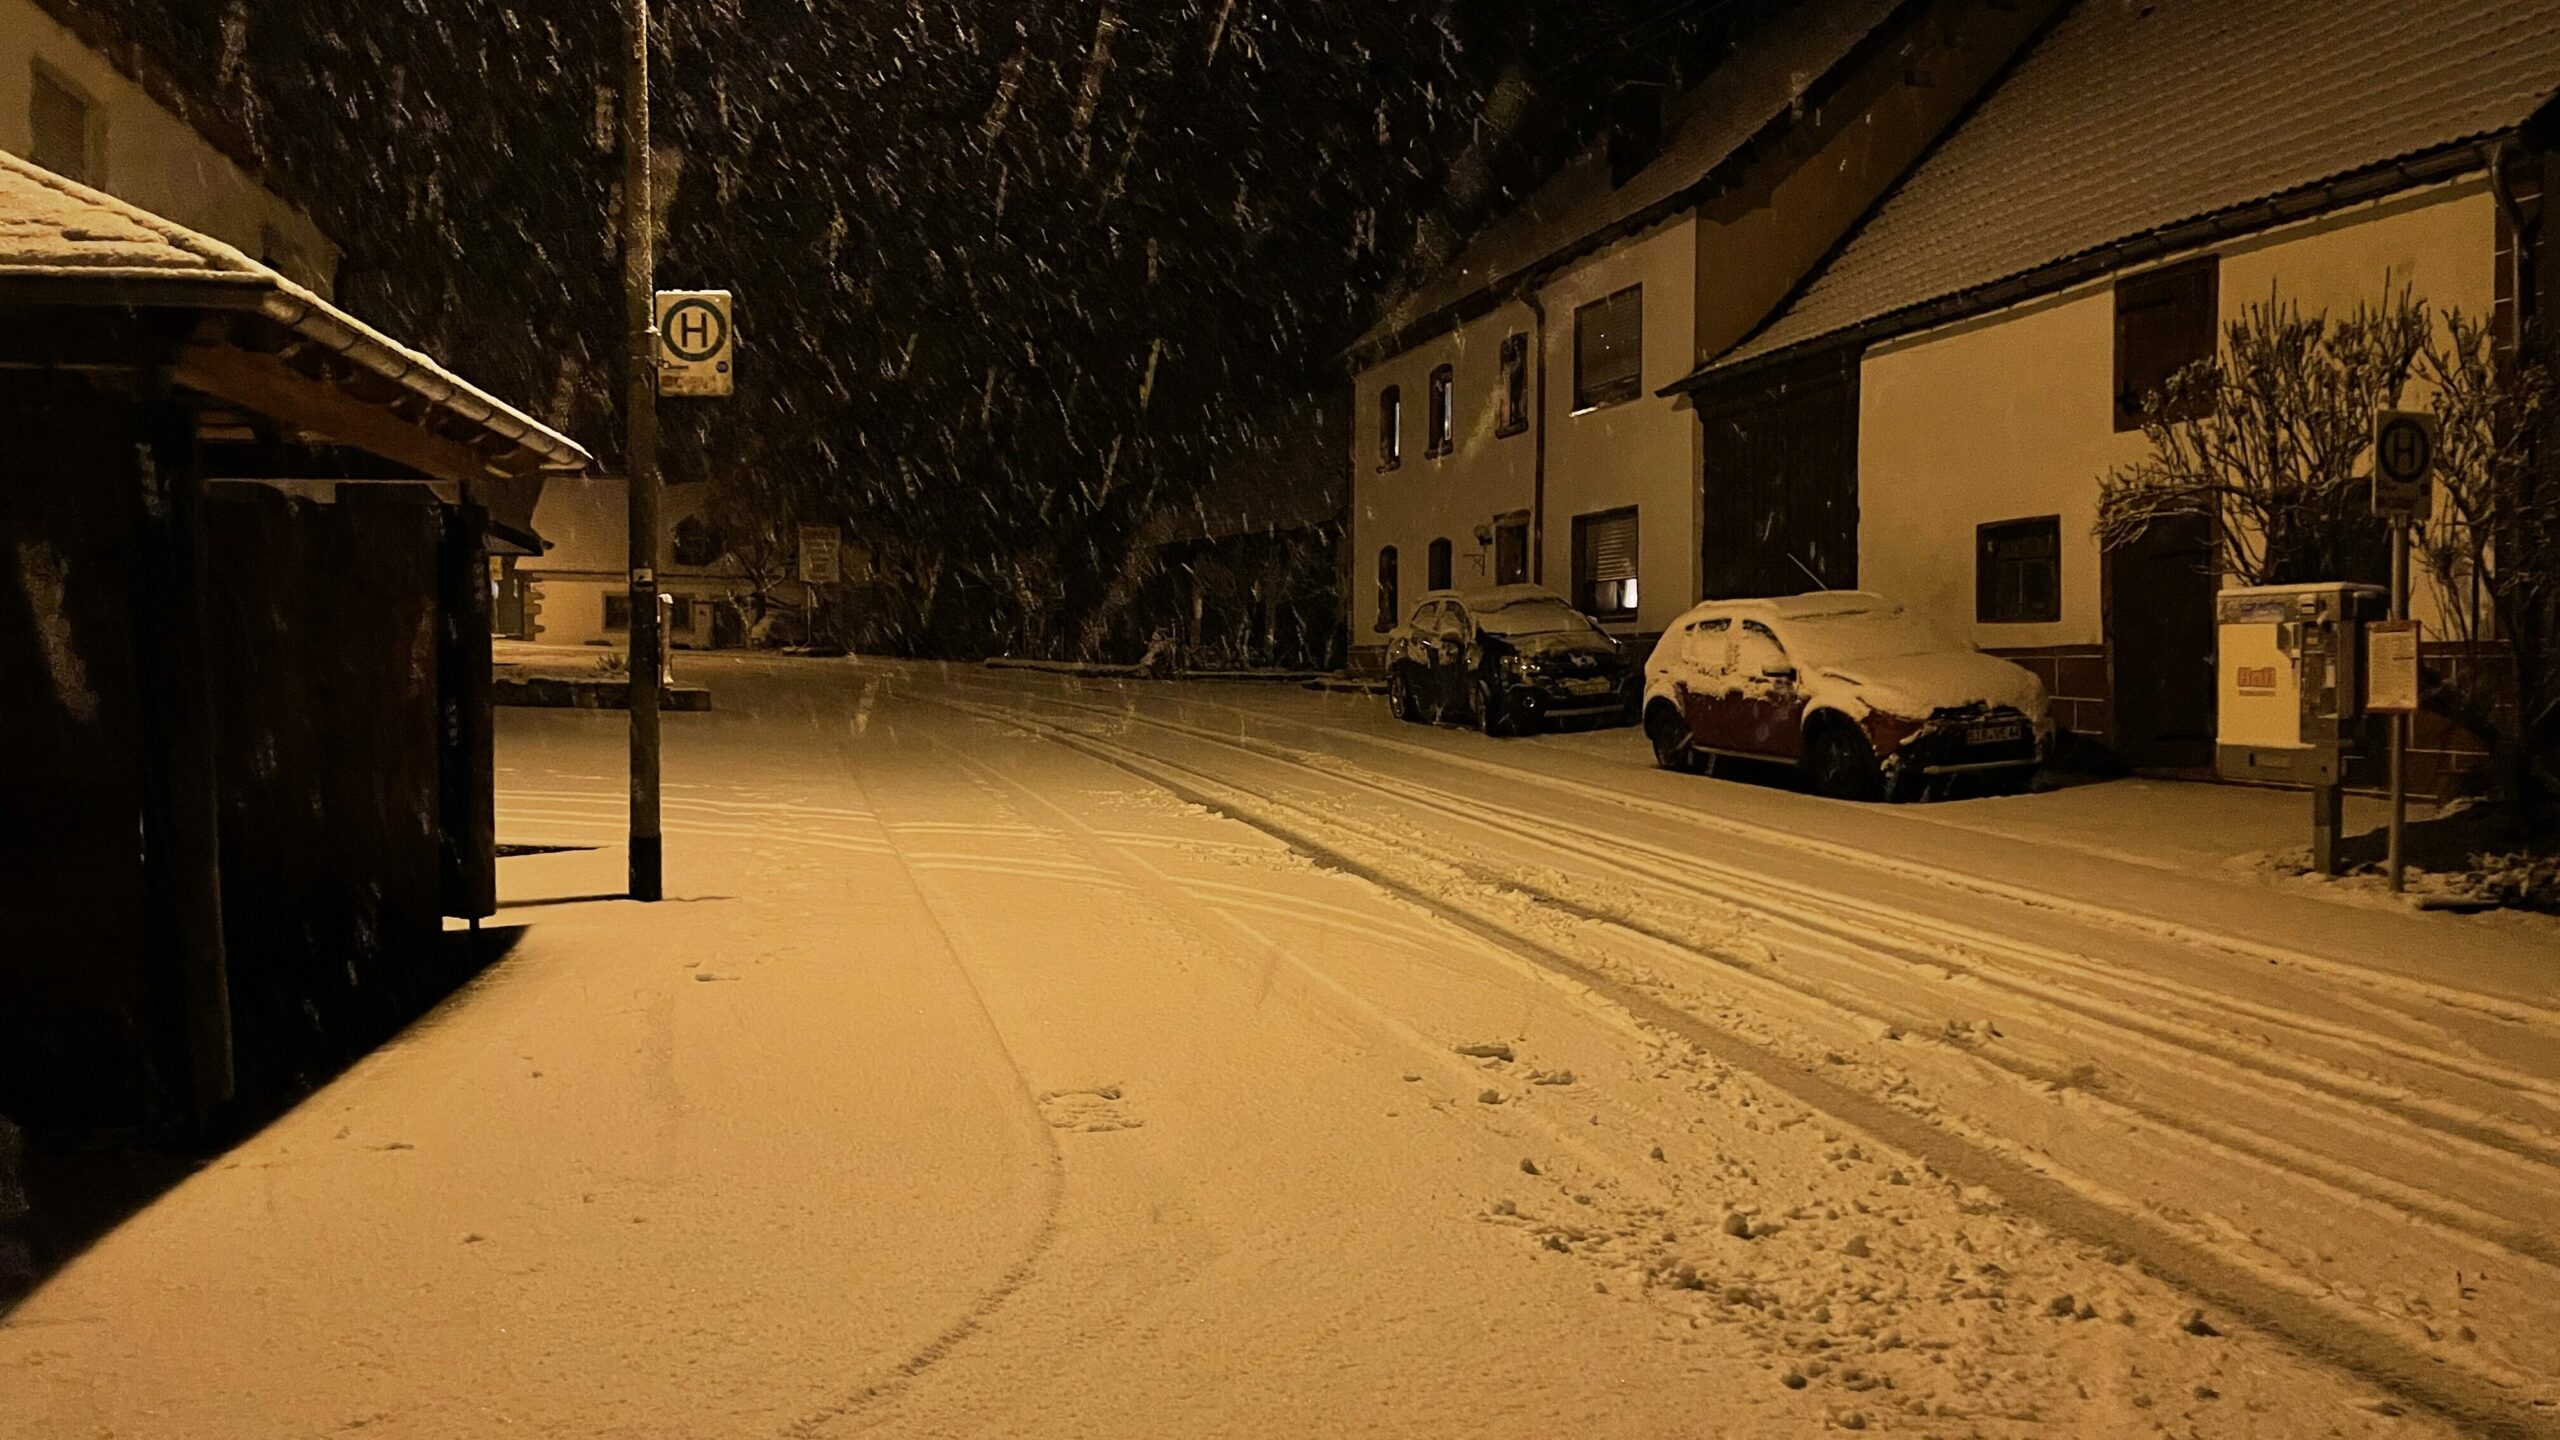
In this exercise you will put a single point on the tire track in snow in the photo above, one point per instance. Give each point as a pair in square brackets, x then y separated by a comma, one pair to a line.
[2071, 1205]
[1962, 882]
[1794, 903]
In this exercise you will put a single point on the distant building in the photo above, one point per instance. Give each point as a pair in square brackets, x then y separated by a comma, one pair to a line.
[578, 590]
[1931, 412]
[1508, 423]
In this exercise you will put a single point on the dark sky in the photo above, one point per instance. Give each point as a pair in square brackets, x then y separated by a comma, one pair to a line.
[1009, 271]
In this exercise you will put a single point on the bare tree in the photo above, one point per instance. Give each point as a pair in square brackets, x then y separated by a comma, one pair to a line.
[2491, 550]
[2263, 440]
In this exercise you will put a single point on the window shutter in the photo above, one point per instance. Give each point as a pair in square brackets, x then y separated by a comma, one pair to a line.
[59, 118]
[1613, 548]
[2165, 322]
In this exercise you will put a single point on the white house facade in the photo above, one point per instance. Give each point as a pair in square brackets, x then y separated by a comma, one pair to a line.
[578, 591]
[1510, 415]
[2136, 184]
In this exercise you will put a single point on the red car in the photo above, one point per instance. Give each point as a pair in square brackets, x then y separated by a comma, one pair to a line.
[1850, 687]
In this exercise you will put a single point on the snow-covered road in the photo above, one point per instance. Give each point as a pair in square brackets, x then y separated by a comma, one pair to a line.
[1028, 1056]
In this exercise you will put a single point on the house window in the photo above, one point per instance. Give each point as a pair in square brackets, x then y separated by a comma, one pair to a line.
[2017, 578]
[617, 610]
[1604, 564]
[66, 127]
[1608, 350]
[680, 615]
[1512, 407]
[695, 542]
[1442, 421]
[1387, 588]
[2165, 322]
[1440, 563]
[1390, 428]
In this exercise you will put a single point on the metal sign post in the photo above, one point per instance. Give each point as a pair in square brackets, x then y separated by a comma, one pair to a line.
[2404, 462]
[640, 462]
[821, 563]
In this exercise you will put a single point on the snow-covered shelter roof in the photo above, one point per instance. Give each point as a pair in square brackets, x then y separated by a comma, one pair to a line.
[1706, 130]
[2129, 124]
[268, 342]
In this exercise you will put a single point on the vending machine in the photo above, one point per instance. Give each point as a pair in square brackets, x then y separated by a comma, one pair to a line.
[2289, 660]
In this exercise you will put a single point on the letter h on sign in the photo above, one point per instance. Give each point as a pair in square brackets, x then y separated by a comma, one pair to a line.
[695, 342]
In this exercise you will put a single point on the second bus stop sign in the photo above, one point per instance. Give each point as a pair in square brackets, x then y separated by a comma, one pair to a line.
[2404, 461]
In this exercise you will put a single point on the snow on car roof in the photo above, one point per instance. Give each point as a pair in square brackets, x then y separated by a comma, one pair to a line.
[1493, 597]
[1821, 604]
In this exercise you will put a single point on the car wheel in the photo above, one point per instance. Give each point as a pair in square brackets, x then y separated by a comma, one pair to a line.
[1490, 711]
[1842, 764]
[1400, 698]
[1670, 736]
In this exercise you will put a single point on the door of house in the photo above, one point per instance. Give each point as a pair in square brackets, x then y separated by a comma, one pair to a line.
[2159, 620]
[1511, 552]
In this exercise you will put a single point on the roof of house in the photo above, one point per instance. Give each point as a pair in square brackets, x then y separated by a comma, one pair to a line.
[66, 243]
[2133, 117]
[1765, 78]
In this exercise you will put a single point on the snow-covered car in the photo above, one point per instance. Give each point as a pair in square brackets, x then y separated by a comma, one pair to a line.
[1867, 699]
[1510, 658]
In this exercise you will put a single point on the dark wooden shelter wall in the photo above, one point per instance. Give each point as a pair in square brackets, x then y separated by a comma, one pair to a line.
[78, 1048]
[325, 657]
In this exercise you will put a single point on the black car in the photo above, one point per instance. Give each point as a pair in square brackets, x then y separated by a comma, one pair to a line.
[1509, 658]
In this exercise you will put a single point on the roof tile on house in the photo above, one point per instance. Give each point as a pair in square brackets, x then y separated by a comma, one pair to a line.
[2134, 116]
[1758, 84]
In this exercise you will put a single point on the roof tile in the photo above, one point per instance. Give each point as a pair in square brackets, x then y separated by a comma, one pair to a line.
[2132, 116]
[1763, 78]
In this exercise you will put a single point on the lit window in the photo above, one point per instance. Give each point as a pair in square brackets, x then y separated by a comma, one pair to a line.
[1442, 421]
[1604, 564]
[1390, 428]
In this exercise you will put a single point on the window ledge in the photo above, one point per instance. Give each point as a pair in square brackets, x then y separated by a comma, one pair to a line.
[1600, 405]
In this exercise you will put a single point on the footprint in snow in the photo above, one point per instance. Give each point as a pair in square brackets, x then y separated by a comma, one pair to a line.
[1094, 1109]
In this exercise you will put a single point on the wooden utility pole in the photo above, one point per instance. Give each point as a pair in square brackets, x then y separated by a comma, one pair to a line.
[640, 457]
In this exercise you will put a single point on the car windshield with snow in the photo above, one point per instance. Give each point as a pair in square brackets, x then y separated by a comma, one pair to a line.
[1510, 659]
[1864, 697]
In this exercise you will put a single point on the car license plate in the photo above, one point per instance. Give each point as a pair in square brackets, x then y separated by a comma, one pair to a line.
[2006, 733]
[1586, 687]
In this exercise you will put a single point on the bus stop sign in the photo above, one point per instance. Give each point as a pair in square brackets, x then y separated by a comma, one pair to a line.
[696, 345]
[2404, 461]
